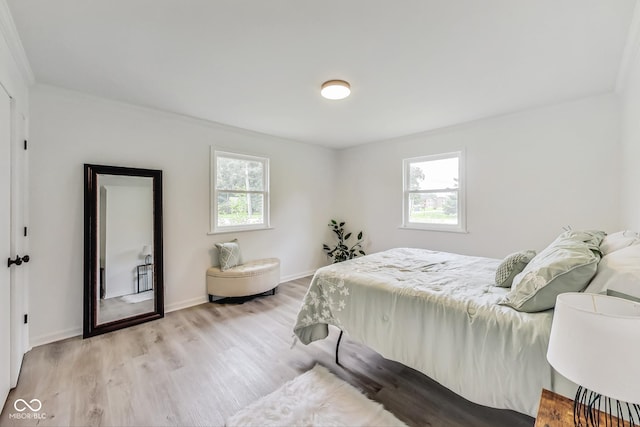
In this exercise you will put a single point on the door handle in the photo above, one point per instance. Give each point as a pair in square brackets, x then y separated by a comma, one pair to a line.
[18, 260]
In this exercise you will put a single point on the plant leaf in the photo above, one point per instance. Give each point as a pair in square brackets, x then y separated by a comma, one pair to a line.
[360, 235]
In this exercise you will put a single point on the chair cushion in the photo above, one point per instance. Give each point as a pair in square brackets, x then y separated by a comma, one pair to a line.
[248, 269]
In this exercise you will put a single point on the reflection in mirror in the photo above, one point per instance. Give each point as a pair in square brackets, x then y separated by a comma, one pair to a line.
[125, 218]
[123, 247]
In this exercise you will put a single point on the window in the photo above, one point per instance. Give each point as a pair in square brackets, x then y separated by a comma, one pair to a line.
[433, 192]
[240, 192]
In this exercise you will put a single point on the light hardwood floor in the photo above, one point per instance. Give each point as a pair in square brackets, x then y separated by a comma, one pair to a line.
[200, 365]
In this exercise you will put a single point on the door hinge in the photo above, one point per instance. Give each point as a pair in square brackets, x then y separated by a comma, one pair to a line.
[26, 319]
[25, 144]
[25, 232]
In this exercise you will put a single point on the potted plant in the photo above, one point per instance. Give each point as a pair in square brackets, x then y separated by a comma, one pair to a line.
[342, 251]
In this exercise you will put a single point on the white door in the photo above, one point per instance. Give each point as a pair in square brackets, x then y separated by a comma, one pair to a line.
[19, 328]
[5, 244]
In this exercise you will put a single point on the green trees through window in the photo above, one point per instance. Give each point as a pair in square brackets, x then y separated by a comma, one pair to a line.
[241, 195]
[432, 192]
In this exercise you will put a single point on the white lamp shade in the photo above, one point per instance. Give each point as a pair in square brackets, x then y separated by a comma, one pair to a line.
[335, 89]
[595, 342]
[147, 250]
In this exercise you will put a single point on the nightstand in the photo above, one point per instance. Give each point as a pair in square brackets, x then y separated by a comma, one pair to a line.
[557, 411]
[144, 273]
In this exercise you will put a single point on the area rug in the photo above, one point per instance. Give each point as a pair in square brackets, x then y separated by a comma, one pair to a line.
[136, 298]
[313, 399]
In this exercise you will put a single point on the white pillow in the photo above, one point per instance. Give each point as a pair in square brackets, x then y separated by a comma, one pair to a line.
[616, 241]
[618, 274]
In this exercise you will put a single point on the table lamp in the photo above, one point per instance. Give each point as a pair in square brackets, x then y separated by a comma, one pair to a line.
[595, 342]
[147, 251]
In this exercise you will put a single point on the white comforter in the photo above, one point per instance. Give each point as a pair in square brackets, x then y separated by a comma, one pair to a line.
[438, 313]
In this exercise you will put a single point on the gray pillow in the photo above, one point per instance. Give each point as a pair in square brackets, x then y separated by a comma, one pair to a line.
[566, 265]
[228, 254]
[512, 265]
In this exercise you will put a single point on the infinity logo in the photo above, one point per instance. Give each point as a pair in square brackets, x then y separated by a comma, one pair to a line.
[37, 405]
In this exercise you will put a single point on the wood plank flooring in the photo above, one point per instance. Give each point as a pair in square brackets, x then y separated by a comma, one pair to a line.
[200, 365]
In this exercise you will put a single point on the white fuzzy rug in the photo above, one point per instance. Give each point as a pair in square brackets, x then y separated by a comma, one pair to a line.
[136, 298]
[315, 398]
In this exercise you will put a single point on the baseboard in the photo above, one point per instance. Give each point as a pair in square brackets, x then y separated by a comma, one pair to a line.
[185, 304]
[56, 336]
[296, 276]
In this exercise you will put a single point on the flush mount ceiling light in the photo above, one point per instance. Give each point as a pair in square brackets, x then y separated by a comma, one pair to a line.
[335, 89]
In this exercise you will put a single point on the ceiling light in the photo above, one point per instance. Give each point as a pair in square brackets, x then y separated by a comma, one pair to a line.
[335, 89]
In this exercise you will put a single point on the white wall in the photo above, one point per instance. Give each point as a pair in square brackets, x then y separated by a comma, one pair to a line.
[527, 174]
[630, 113]
[69, 129]
[12, 74]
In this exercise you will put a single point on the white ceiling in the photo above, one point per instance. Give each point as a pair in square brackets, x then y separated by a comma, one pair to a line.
[413, 65]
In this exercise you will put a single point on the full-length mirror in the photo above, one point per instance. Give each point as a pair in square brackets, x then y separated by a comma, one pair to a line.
[122, 247]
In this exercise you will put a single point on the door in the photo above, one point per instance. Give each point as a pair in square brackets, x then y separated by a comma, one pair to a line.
[5, 244]
[18, 287]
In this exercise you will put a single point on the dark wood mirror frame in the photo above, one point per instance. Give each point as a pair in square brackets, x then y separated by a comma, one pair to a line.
[91, 259]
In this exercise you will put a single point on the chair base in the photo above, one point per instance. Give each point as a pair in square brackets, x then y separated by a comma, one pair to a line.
[240, 300]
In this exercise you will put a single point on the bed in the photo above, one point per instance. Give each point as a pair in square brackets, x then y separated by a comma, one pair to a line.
[438, 313]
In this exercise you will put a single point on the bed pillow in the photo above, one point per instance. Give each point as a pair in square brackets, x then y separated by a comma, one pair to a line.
[618, 274]
[228, 254]
[566, 265]
[593, 238]
[616, 241]
[512, 265]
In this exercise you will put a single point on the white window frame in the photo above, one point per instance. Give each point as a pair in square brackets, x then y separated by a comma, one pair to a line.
[214, 228]
[461, 226]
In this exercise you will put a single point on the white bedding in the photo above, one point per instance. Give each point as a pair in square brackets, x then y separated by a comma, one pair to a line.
[436, 312]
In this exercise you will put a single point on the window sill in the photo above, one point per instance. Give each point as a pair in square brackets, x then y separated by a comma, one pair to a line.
[446, 230]
[239, 230]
